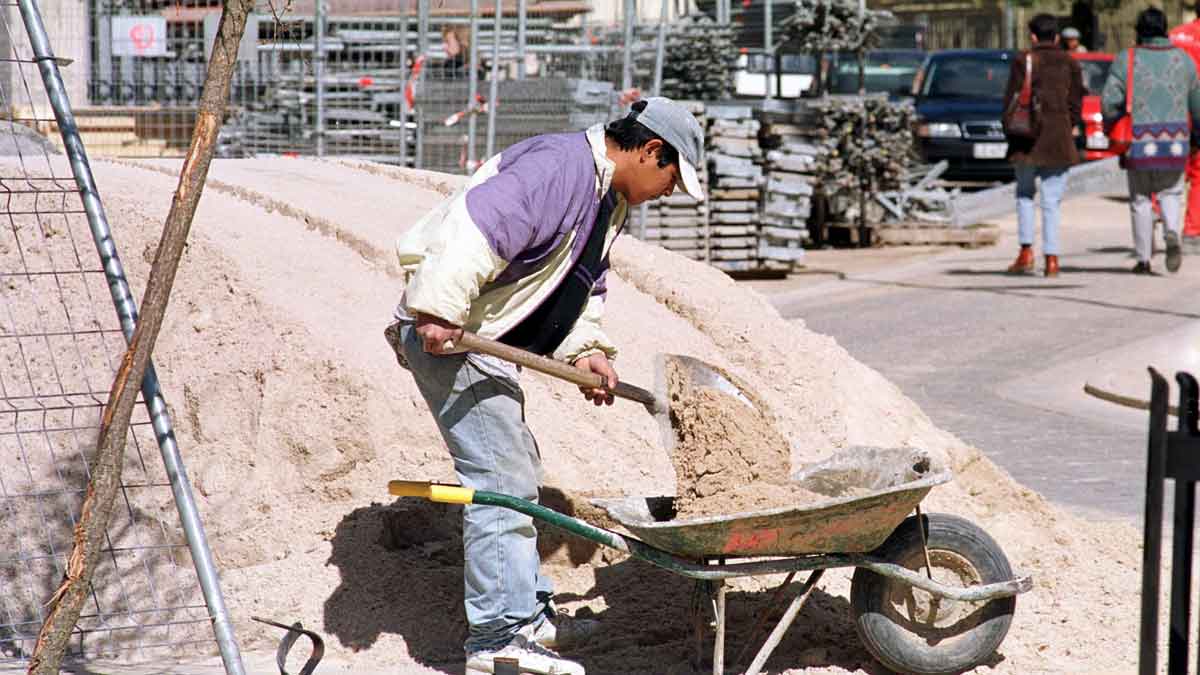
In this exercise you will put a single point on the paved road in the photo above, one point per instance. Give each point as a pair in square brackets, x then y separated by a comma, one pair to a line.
[966, 342]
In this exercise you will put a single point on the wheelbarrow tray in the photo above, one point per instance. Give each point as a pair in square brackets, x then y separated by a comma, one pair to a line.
[867, 494]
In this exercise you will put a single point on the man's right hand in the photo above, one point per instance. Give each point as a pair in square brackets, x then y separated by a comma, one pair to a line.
[438, 336]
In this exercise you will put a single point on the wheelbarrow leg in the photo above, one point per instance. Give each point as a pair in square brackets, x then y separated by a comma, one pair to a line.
[785, 622]
[699, 598]
[719, 640]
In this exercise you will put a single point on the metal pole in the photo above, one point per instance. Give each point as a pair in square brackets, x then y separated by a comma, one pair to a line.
[319, 73]
[494, 89]
[627, 58]
[422, 50]
[1010, 29]
[521, 18]
[473, 86]
[768, 43]
[193, 528]
[405, 73]
[659, 57]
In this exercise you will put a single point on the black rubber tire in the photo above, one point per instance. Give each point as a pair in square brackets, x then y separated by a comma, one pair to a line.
[962, 554]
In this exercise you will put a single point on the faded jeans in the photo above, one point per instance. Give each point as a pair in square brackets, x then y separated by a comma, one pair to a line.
[1168, 185]
[1054, 182]
[480, 410]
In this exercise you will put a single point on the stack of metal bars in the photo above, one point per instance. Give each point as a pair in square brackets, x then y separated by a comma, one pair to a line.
[60, 343]
[735, 165]
[792, 157]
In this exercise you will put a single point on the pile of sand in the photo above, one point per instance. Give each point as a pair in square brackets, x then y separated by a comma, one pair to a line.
[292, 415]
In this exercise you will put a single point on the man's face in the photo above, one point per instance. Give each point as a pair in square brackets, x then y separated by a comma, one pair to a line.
[1072, 43]
[649, 180]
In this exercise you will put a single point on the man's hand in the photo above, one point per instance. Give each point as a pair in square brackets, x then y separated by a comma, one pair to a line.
[598, 364]
[438, 336]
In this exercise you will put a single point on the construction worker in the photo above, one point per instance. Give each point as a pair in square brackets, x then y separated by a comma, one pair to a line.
[1187, 38]
[520, 255]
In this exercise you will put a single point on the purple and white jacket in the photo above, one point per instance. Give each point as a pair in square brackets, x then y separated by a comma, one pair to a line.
[489, 255]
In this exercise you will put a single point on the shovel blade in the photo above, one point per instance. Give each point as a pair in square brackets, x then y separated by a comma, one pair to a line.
[695, 373]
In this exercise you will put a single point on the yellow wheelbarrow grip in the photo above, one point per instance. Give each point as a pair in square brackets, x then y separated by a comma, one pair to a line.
[434, 492]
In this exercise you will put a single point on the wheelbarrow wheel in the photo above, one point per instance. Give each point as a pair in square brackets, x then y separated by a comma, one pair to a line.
[912, 631]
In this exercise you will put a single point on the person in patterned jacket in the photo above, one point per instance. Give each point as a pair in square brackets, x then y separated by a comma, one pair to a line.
[1165, 109]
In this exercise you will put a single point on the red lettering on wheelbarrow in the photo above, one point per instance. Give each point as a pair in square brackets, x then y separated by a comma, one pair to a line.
[749, 540]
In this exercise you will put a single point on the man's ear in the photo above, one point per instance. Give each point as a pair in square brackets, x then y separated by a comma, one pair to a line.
[652, 148]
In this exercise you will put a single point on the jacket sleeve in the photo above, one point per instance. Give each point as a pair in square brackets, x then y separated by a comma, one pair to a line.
[458, 261]
[1075, 96]
[1194, 104]
[501, 215]
[1112, 99]
[587, 337]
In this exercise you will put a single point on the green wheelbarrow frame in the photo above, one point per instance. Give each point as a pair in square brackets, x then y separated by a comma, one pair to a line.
[710, 577]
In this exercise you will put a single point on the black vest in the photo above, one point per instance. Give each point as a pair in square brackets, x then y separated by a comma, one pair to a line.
[544, 330]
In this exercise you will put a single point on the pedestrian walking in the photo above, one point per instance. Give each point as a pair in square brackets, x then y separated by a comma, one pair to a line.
[1070, 40]
[1187, 38]
[1159, 85]
[1052, 84]
[521, 256]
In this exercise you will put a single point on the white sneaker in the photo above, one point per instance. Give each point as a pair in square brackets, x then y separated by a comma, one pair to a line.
[562, 631]
[532, 657]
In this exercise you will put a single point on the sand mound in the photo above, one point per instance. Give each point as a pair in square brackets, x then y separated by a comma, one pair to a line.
[292, 415]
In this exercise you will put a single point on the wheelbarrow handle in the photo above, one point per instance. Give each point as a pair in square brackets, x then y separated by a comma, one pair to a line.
[434, 492]
[548, 366]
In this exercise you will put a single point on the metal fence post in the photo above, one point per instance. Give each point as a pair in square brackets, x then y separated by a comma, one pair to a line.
[660, 46]
[118, 286]
[769, 43]
[422, 50]
[521, 11]
[473, 86]
[627, 59]
[319, 73]
[494, 89]
[405, 73]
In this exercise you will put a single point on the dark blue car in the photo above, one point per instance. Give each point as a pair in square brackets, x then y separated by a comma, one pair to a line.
[959, 95]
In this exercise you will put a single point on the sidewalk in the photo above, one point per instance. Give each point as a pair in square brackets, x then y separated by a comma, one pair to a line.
[1001, 360]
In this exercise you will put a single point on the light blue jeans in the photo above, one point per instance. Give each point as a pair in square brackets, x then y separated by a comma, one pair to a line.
[480, 410]
[1168, 185]
[1054, 182]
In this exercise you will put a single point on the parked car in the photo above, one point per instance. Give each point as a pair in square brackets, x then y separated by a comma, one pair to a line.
[959, 97]
[885, 71]
[1095, 67]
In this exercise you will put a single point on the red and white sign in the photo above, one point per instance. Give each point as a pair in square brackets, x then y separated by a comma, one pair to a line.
[139, 36]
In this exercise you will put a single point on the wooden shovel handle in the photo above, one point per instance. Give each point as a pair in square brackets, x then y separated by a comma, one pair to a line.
[548, 366]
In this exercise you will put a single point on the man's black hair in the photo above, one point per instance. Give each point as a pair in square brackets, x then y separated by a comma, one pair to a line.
[629, 134]
[1151, 23]
[1044, 27]
[1198, 10]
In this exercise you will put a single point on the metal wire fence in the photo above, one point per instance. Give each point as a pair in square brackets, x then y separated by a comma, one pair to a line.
[386, 80]
[60, 340]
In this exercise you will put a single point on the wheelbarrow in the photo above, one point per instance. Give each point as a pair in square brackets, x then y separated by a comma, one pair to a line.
[931, 593]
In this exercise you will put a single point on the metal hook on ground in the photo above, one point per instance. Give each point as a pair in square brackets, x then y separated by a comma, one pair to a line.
[294, 632]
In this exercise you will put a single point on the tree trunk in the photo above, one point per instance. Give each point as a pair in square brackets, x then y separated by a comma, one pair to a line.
[65, 605]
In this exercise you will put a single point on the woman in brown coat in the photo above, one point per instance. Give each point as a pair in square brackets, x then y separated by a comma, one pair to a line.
[1057, 86]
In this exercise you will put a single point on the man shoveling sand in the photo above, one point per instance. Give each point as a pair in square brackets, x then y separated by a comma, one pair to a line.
[520, 256]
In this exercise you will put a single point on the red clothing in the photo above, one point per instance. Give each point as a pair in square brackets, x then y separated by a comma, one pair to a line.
[1187, 38]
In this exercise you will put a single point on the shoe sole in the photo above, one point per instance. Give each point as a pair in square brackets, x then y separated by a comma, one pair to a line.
[1174, 259]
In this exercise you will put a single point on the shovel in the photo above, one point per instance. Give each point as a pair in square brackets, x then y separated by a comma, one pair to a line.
[657, 403]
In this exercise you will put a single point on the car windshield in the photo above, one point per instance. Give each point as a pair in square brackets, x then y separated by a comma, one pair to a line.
[973, 77]
[887, 72]
[1094, 75]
